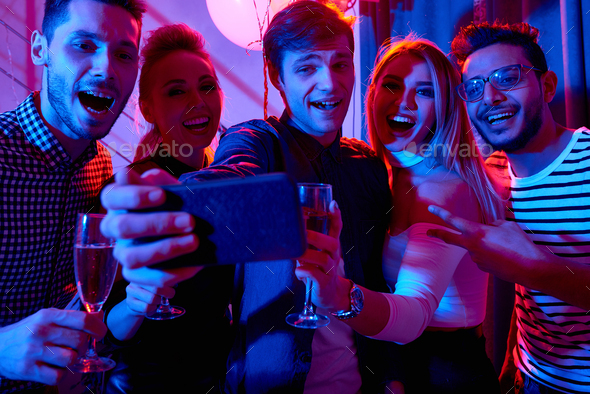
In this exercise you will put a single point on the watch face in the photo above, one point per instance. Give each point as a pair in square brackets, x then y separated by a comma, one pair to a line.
[357, 299]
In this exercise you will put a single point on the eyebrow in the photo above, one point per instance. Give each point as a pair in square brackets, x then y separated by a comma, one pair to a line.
[314, 56]
[396, 78]
[183, 81]
[94, 36]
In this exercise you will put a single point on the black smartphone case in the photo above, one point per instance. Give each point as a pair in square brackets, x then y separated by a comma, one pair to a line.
[239, 220]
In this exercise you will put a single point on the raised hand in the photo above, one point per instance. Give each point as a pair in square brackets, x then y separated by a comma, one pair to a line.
[142, 300]
[501, 249]
[329, 290]
[132, 192]
[41, 346]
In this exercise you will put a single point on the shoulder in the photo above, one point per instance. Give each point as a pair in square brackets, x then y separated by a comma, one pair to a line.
[446, 190]
[358, 146]
[9, 123]
[254, 131]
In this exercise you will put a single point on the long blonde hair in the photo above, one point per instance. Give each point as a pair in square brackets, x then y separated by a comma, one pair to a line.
[161, 42]
[452, 124]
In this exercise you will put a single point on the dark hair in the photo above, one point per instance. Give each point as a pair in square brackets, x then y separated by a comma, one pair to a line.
[56, 14]
[474, 37]
[304, 25]
[161, 42]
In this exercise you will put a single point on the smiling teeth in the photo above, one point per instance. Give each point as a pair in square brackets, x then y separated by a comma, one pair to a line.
[196, 121]
[326, 104]
[99, 94]
[491, 118]
[402, 119]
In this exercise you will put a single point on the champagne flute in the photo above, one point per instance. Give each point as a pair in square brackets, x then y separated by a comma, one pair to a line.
[315, 200]
[95, 269]
[165, 311]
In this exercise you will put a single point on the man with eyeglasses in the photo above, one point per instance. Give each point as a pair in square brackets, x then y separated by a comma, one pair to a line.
[544, 244]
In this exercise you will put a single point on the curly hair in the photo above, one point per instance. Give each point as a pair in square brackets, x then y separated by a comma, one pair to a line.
[478, 36]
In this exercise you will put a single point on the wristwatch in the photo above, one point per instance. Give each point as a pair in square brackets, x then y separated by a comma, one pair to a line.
[357, 300]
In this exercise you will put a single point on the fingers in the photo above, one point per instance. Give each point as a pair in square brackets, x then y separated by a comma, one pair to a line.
[335, 220]
[149, 294]
[157, 176]
[323, 242]
[134, 257]
[142, 300]
[137, 225]
[319, 259]
[159, 278]
[317, 275]
[118, 197]
[50, 375]
[58, 356]
[447, 237]
[455, 221]
[75, 320]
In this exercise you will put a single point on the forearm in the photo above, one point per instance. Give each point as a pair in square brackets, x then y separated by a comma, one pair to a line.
[123, 323]
[561, 278]
[374, 316]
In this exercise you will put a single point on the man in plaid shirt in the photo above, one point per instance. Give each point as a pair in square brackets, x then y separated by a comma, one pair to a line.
[51, 169]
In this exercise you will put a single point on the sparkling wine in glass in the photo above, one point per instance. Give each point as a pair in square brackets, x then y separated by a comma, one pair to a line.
[95, 269]
[315, 200]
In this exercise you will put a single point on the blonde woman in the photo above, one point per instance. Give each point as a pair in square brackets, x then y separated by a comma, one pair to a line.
[419, 128]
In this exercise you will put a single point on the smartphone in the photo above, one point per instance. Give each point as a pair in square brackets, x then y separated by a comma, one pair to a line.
[240, 220]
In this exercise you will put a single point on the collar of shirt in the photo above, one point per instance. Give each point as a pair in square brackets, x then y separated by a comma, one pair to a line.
[50, 150]
[310, 146]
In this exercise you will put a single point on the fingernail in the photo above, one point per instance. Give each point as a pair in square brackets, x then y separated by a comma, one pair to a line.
[183, 222]
[336, 205]
[185, 240]
[155, 195]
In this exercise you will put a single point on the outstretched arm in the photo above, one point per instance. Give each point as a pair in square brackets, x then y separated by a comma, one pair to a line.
[505, 251]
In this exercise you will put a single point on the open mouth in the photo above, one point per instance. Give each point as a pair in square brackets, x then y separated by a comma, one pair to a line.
[499, 118]
[400, 122]
[197, 124]
[96, 102]
[326, 105]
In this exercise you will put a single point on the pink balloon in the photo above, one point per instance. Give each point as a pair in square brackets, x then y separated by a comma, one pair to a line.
[236, 20]
[278, 5]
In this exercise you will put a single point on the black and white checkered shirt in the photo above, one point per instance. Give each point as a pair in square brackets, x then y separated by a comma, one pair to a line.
[42, 192]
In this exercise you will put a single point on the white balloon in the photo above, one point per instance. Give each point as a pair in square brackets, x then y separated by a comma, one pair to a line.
[236, 20]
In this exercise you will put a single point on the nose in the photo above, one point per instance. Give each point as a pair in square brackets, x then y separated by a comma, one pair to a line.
[196, 100]
[102, 66]
[326, 80]
[492, 96]
[407, 99]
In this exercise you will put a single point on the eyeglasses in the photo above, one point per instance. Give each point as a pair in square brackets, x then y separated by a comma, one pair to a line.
[504, 78]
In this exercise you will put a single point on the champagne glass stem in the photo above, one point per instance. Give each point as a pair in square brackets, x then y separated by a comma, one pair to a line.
[91, 352]
[308, 306]
[164, 305]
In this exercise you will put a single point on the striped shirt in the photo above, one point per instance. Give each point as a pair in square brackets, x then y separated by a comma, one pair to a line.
[42, 191]
[553, 208]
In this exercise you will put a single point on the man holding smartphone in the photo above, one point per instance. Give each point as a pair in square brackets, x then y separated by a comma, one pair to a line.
[309, 48]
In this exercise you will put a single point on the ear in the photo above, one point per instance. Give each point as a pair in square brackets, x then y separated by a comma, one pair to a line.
[275, 78]
[146, 111]
[549, 85]
[39, 49]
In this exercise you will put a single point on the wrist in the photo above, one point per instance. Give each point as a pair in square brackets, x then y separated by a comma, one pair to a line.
[343, 291]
